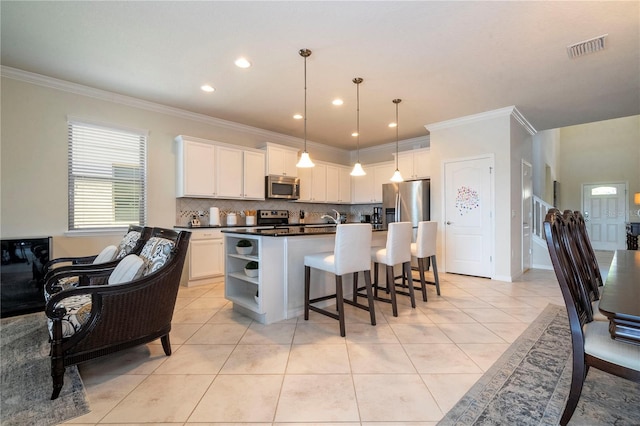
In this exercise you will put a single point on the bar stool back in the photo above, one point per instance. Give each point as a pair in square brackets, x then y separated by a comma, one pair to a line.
[350, 255]
[397, 251]
[424, 249]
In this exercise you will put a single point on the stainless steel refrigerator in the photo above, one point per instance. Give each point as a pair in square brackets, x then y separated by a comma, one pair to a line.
[406, 202]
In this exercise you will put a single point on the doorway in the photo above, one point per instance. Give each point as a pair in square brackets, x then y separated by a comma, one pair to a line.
[604, 207]
[527, 214]
[468, 190]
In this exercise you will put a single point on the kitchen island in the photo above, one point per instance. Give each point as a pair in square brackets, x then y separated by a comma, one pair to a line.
[277, 291]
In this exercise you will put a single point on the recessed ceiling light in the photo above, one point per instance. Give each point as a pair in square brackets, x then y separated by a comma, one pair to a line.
[298, 116]
[242, 63]
[337, 102]
[354, 134]
[207, 88]
[393, 124]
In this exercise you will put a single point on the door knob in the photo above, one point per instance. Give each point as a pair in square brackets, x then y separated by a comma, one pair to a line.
[449, 223]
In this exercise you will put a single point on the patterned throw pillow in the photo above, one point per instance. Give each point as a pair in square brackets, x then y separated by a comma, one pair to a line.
[127, 244]
[155, 254]
[64, 283]
[78, 309]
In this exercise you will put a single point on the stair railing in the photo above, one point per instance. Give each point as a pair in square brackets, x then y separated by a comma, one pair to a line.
[540, 208]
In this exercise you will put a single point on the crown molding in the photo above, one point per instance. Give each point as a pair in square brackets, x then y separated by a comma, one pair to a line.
[103, 95]
[501, 112]
[523, 121]
[403, 145]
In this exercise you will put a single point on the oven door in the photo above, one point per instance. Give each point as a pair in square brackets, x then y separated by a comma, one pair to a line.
[282, 187]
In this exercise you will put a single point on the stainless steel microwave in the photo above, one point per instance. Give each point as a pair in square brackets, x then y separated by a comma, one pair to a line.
[282, 187]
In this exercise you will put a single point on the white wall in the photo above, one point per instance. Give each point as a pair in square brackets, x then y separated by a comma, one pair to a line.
[494, 133]
[604, 151]
[34, 156]
[546, 149]
[521, 148]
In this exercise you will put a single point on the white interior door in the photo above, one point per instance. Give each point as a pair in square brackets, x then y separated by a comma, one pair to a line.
[527, 214]
[468, 210]
[604, 207]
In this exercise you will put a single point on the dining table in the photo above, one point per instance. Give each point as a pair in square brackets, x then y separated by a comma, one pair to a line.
[620, 298]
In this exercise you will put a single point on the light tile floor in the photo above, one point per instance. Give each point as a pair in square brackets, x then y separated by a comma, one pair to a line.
[226, 368]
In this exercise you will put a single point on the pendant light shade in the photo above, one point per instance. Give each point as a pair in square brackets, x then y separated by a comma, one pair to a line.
[357, 168]
[305, 160]
[397, 177]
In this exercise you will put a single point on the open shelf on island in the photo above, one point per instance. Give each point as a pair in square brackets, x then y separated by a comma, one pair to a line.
[247, 257]
[244, 277]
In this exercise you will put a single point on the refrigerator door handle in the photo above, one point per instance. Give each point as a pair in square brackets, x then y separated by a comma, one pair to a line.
[398, 207]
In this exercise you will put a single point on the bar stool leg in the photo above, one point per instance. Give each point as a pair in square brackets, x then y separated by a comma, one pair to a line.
[423, 284]
[307, 285]
[340, 304]
[355, 287]
[392, 289]
[407, 273]
[372, 311]
[435, 274]
[375, 280]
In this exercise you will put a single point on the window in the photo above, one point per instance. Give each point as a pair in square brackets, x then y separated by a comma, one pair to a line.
[107, 176]
[604, 190]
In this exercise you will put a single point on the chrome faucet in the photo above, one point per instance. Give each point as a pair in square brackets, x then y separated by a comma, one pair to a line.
[335, 220]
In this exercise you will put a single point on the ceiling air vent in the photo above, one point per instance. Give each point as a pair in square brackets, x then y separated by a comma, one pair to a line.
[585, 47]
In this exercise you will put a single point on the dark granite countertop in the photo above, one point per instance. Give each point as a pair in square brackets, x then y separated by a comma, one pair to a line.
[292, 230]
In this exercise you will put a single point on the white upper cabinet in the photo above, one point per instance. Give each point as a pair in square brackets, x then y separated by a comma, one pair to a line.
[338, 184]
[381, 175]
[217, 170]
[195, 169]
[415, 164]
[282, 160]
[367, 189]
[239, 173]
[229, 171]
[313, 184]
[253, 179]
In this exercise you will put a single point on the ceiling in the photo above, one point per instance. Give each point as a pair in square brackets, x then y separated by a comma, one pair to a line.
[444, 59]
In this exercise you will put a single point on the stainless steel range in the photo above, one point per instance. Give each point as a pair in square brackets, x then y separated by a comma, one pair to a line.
[273, 217]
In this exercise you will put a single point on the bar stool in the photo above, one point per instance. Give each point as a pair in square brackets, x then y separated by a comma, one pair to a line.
[397, 251]
[424, 249]
[350, 255]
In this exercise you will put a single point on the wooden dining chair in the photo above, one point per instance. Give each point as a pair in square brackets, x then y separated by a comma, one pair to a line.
[592, 345]
[587, 247]
[585, 259]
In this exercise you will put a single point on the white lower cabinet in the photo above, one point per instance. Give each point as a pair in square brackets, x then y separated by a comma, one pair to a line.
[205, 258]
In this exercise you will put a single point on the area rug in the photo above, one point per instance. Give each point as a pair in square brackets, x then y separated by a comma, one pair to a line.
[26, 376]
[529, 384]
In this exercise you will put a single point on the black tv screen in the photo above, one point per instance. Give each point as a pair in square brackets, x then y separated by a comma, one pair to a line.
[21, 274]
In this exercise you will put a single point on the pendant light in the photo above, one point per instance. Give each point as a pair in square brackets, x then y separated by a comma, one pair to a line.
[305, 160]
[397, 177]
[357, 168]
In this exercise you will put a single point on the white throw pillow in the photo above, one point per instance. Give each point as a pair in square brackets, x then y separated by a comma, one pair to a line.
[106, 255]
[127, 270]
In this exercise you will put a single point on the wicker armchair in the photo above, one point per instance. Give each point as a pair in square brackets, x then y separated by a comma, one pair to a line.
[132, 242]
[135, 307]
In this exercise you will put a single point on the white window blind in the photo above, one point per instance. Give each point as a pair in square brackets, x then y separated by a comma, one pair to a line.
[107, 176]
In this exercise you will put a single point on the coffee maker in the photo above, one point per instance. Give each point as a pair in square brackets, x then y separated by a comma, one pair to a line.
[376, 219]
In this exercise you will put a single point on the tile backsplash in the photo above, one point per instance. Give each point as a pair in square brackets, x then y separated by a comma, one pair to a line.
[186, 208]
